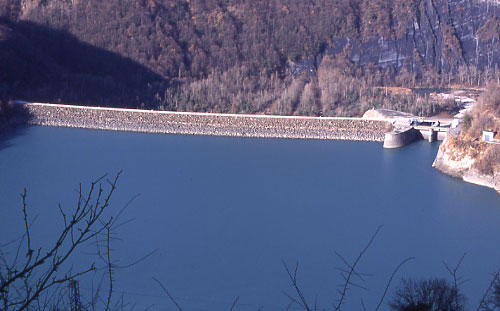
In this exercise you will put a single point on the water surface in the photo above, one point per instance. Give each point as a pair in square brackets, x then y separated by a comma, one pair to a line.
[224, 212]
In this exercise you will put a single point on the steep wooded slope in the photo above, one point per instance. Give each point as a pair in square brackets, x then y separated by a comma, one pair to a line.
[282, 56]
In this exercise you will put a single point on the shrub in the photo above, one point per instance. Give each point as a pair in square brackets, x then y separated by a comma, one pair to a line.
[427, 295]
[467, 121]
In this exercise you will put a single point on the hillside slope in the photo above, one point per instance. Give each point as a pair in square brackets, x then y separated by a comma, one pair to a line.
[319, 57]
[467, 156]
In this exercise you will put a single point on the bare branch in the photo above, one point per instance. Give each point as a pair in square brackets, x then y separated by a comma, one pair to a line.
[292, 300]
[41, 269]
[110, 270]
[483, 302]
[457, 281]
[29, 252]
[137, 261]
[234, 303]
[293, 279]
[390, 281]
[168, 294]
[352, 271]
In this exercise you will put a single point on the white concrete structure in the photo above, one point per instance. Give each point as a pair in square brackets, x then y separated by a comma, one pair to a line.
[488, 135]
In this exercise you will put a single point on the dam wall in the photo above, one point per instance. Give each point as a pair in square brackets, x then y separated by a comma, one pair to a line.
[400, 138]
[186, 123]
[439, 135]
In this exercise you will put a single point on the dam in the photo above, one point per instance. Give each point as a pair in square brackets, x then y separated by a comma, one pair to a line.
[372, 126]
[212, 124]
[428, 129]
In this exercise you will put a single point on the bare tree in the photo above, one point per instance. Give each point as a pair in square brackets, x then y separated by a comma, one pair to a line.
[433, 294]
[350, 275]
[36, 278]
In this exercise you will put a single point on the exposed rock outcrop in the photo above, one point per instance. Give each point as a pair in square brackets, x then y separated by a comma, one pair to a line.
[458, 163]
[442, 34]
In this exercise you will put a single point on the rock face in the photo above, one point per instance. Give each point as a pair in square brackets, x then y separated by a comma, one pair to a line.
[443, 34]
[460, 165]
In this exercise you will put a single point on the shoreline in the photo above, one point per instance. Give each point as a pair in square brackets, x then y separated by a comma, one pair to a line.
[192, 123]
[228, 125]
[462, 168]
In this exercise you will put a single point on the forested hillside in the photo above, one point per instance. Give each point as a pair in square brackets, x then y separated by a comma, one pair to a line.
[315, 57]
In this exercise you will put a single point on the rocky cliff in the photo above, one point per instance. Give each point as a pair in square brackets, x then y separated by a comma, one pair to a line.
[460, 161]
[444, 35]
[198, 37]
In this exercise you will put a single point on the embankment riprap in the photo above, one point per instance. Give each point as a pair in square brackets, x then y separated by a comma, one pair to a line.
[206, 123]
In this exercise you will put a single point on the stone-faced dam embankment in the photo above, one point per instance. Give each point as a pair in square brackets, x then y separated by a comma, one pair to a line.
[206, 123]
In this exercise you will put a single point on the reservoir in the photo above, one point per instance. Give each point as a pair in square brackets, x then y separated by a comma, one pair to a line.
[221, 214]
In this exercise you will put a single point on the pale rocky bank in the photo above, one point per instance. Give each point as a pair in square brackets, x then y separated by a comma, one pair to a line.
[457, 163]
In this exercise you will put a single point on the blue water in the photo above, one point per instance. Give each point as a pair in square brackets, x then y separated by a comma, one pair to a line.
[222, 214]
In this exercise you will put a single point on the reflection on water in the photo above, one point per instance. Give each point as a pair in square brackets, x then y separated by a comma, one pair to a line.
[224, 212]
[9, 133]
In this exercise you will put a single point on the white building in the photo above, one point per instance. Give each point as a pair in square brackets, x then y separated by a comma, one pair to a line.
[488, 135]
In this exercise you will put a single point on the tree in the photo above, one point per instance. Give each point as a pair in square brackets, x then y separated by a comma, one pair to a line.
[432, 294]
[351, 276]
[491, 297]
[34, 278]
[493, 301]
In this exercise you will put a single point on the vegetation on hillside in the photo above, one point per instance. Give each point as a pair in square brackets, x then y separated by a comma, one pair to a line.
[221, 56]
[485, 116]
